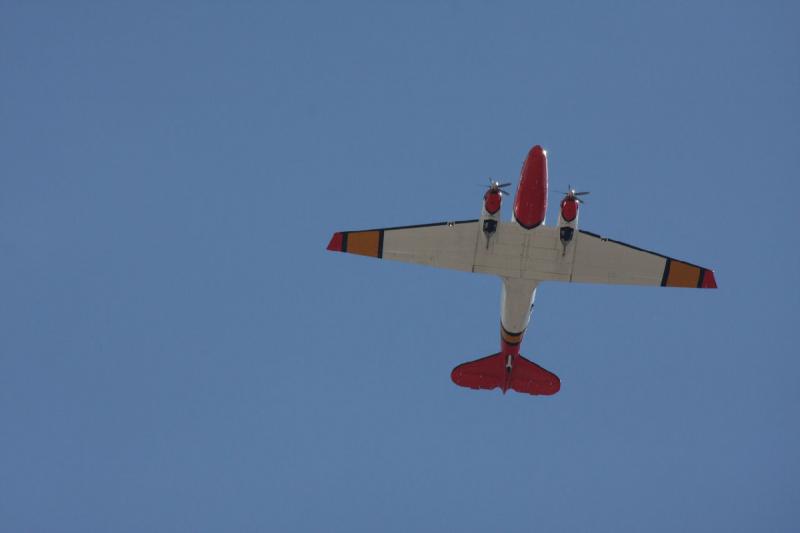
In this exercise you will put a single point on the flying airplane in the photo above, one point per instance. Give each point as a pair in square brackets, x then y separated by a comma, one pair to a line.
[523, 252]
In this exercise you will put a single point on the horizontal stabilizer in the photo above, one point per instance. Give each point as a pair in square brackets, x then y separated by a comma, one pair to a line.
[491, 372]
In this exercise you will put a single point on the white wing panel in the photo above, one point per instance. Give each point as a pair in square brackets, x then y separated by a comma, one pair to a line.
[544, 257]
[446, 245]
[501, 253]
[599, 260]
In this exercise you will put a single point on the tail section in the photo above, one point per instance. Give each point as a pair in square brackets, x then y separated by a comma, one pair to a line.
[507, 371]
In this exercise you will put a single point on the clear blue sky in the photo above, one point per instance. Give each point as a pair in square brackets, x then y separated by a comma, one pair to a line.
[179, 353]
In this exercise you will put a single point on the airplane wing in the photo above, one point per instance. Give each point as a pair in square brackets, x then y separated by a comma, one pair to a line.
[598, 259]
[539, 255]
[442, 244]
[518, 253]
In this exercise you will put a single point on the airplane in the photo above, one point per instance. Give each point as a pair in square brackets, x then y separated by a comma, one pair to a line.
[523, 252]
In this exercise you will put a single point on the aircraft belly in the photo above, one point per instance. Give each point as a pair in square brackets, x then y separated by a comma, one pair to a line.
[501, 255]
[515, 303]
[514, 252]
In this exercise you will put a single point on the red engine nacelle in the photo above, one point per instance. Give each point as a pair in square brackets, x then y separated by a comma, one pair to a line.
[530, 203]
[491, 201]
[569, 208]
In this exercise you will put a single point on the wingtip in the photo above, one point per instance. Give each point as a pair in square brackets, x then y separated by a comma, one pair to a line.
[709, 281]
[335, 244]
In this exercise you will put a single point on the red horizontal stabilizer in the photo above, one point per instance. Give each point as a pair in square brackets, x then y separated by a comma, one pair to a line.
[485, 373]
[530, 378]
[490, 373]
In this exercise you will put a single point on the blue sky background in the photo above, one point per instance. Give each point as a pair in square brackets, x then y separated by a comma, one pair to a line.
[178, 352]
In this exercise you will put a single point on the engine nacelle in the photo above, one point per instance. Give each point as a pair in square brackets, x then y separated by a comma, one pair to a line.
[568, 219]
[569, 210]
[492, 201]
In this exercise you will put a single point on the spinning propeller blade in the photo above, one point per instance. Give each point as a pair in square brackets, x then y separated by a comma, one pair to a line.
[572, 194]
[497, 186]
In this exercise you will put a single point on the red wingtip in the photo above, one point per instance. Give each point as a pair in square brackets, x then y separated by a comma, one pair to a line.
[336, 243]
[709, 282]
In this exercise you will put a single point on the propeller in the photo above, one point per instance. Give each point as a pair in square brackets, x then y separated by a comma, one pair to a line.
[496, 186]
[573, 194]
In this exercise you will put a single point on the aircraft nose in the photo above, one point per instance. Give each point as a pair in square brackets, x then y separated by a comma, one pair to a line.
[530, 203]
[537, 153]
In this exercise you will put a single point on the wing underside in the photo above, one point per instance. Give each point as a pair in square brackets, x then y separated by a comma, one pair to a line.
[598, 259]
[442, 244]
[515, 252]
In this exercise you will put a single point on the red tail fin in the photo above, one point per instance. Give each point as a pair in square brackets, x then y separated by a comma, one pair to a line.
[491, 372]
